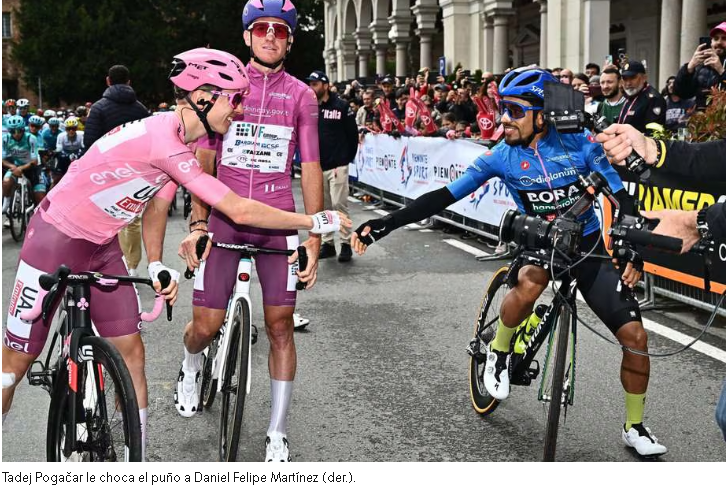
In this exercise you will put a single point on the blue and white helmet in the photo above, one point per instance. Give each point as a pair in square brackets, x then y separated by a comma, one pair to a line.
[36, 120]
[15, 122]
[526, 83]
[280, 9]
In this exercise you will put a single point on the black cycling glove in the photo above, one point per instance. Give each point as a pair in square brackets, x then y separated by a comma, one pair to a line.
[379, 229]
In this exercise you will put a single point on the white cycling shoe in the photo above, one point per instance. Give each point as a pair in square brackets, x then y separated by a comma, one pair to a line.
[497, 373]
[276, 448]
[186, 396]
[642, 440]
[299, 322]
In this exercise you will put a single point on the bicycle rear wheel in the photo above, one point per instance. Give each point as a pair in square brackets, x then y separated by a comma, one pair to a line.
[16, 215]
[557, 383]
[107, 415]
[234, 385]
[208, 390]
[485, 330]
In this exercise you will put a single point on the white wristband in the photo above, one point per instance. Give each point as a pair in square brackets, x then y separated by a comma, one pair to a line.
[325, 222]
[156, 266]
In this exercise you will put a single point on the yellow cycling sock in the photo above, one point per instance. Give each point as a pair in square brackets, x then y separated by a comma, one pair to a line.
[634, 409]
[501, 343]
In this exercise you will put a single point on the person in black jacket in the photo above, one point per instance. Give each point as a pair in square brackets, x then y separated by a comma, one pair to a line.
[644, 104]
[338, 137]
[705, 70]
[117, 106]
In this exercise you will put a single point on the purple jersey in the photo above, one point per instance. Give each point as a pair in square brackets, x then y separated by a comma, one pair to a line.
[254, 157]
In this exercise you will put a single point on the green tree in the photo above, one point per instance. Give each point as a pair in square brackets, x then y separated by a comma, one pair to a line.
[70, 44]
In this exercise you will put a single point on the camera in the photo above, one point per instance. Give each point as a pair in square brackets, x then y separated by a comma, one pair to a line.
[534, 233]
[564, 108]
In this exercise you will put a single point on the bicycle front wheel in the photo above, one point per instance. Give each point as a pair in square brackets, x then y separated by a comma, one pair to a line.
[234, 385]
[16, 215]
[485, 330]
[107, 414]
[560, 345]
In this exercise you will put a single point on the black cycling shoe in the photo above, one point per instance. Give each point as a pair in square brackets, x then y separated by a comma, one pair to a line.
[346, 253]
[327, 251]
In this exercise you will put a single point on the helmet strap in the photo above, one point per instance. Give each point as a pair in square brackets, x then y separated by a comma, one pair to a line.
[202, 113]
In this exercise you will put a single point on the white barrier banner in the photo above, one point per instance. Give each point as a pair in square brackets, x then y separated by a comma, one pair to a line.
[412, 166]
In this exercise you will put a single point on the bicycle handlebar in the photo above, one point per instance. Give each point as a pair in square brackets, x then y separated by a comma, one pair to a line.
[63, 275]
[201, 246]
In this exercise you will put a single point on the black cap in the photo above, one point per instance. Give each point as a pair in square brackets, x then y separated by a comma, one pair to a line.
[319, 76]
[387, 79]
[442, 87]
[632, 68]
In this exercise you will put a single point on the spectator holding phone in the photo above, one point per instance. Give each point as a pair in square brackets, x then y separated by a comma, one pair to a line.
[705, 70]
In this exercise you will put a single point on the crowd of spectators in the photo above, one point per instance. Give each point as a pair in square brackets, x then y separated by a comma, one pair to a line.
[466, 104]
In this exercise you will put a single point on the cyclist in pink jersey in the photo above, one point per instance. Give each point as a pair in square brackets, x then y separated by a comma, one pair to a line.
[133, 170]
[254, 159]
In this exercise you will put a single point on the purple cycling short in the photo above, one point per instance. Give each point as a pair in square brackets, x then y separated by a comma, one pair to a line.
[114, 310]
[215, 279]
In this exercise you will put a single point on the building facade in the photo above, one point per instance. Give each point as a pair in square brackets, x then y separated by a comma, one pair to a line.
[365, 37]
[13, 86]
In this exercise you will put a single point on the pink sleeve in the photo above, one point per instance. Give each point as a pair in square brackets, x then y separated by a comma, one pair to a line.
[207, 143]
[207, 188]
[181, 167]
[167, 192]
[307, 127]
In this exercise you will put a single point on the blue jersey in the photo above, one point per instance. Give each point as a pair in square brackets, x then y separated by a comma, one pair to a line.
[542, 182]
[20, 152]
[48, 139]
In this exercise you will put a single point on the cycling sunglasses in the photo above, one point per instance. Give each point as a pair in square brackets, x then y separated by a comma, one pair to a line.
[234, 98]
[17, 130]
[262, 28]
[514, 110]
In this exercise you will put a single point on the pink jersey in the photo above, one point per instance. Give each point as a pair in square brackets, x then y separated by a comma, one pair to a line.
[254, 157]
[111, 184]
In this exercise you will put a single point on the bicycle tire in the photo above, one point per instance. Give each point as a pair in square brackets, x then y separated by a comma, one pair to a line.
[16, 215]
[234, 391]
[119, 392]
[208, 389]
[556, 393]
[482, 402]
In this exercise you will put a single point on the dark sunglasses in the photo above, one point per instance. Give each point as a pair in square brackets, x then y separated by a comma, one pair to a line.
[17, 130]
[514, 110]
[262, 28]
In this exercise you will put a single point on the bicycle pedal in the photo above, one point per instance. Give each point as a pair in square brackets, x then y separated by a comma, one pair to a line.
[476, 349]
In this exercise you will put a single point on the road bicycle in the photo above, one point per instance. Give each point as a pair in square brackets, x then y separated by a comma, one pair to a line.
[555, 246]
[21, 208]
[93, 413]
[227, 367]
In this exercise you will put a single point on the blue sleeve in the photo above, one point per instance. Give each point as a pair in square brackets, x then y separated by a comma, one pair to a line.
[595, 159]
[475, 176]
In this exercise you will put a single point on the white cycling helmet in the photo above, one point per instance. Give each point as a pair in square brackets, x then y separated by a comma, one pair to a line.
[49, 113]
[23, 103]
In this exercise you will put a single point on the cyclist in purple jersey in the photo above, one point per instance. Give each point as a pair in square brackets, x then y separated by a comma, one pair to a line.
[133, 170]
[254, 159]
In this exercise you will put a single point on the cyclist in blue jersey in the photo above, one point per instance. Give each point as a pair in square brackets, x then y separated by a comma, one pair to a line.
[35, 123]
[49, 136]
[540, 167]
[24, 110]
[20, 156]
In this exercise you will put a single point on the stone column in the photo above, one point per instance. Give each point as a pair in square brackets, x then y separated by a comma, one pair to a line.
[348, 49]
[457, 42]
[400, 22]
[543, 62]
[363, 50]
[426, 16]
[596, 22]
[694, 25]
[380, 34]
[669, 62]
[488, 38]
[500, 46]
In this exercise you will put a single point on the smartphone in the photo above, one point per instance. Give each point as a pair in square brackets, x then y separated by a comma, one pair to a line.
[594, 90]
[705, 40]
[608, 60]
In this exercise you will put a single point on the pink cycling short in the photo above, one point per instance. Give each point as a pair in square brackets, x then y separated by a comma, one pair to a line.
[114, 311]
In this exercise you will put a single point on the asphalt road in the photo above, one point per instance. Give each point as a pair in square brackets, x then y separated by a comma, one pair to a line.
[382, 373]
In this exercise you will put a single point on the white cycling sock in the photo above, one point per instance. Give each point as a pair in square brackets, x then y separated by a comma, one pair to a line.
[280, 393]
[6, 204]
[192, 362]
[142, 419]
[4, 415]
